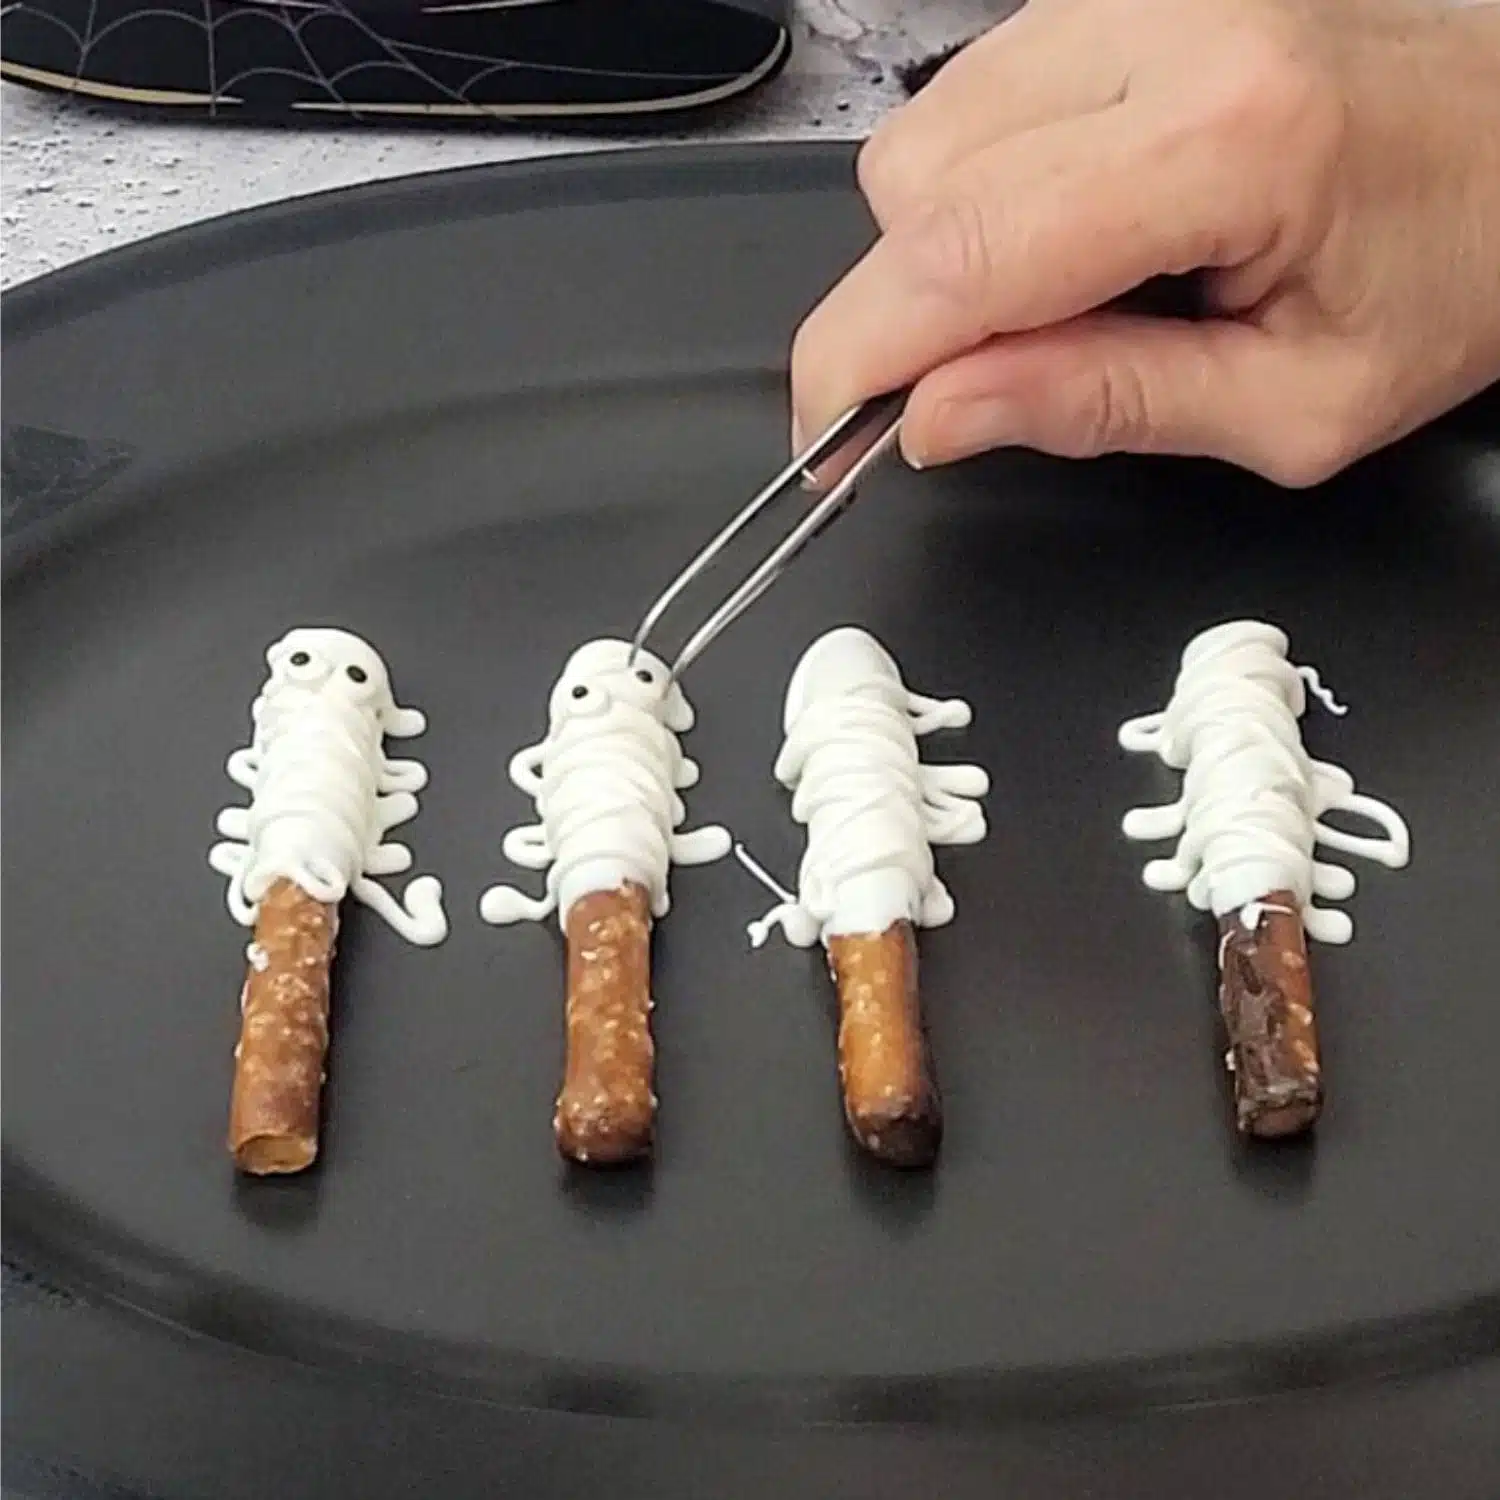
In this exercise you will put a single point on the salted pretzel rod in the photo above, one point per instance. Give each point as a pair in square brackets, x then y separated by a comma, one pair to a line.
[606, 781]
[323, 797]
[606, 1110]
[891, 1100]
[867, 880]
[279, 1059]
[1248, 822]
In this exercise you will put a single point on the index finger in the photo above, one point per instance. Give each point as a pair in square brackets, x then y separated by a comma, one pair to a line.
[1033, 230]
[1039, 65]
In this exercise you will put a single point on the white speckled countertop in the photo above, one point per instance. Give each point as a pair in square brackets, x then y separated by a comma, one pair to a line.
[78, 179]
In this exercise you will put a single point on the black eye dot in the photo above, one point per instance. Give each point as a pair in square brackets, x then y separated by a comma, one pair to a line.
[580, 691]
[300, 658]
[644, 674]
[357, 674]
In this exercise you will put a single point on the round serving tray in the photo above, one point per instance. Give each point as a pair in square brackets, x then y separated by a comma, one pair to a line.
[480, 417]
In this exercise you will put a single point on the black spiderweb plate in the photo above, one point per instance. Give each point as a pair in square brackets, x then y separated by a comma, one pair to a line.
[396, 60]
[480, 418]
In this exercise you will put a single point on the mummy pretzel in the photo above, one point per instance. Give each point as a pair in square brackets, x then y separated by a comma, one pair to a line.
[1249, 820]
[323, 797]
[606, 782]
[867, 881]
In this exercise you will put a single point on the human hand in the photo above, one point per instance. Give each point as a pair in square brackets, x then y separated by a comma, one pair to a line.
[1332, 166]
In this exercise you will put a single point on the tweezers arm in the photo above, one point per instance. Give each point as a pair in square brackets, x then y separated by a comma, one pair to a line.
[813, 524]
[817, 453]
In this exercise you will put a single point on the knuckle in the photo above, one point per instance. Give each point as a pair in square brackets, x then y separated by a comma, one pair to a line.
[1294, 470]
[946, 244]
[1270, 91]
[1116, 417]
[877, 168]
[1313, 453]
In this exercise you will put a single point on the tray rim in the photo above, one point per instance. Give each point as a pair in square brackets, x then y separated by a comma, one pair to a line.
[447, 195]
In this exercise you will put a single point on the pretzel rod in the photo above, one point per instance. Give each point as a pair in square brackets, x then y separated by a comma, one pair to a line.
[607, 780]
[1251, 848]
[606, 1109]
[873, 810]
[890, 1099]
[1265, 996]
[278, 1063]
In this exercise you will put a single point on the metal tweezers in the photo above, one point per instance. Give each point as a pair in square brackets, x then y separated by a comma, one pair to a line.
[883, 415]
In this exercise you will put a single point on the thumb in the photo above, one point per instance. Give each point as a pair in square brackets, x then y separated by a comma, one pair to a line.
[1115, 383]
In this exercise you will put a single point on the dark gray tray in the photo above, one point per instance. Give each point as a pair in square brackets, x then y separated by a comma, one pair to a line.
[480, 417]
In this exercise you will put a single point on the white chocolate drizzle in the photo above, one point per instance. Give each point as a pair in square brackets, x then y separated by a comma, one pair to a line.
[872, 810]
[1252, 798]
[605, 781]
[322, 793]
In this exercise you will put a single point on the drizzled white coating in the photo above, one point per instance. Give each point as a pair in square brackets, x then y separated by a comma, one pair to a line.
[605, 781]
[872, 810]
[323, 795]
[1252, 797]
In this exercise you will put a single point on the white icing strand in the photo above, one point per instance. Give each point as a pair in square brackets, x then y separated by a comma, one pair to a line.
[1252, 798]
[323, 795]
[872, 810]
[605, 781]
[1324, 695]
[759, 931]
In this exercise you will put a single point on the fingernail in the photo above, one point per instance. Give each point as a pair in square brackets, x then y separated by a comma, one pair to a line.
[960, 429]
[809, 482]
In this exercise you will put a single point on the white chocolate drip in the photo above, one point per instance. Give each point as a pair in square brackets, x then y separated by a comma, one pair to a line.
[872, 810]
[323, 795]
[605, 781]
[759, 931]
[1252, 798]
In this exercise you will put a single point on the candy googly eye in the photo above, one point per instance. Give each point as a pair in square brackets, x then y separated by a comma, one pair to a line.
[360, 681]
[645, 674]
[304, 666]
[581, 700]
